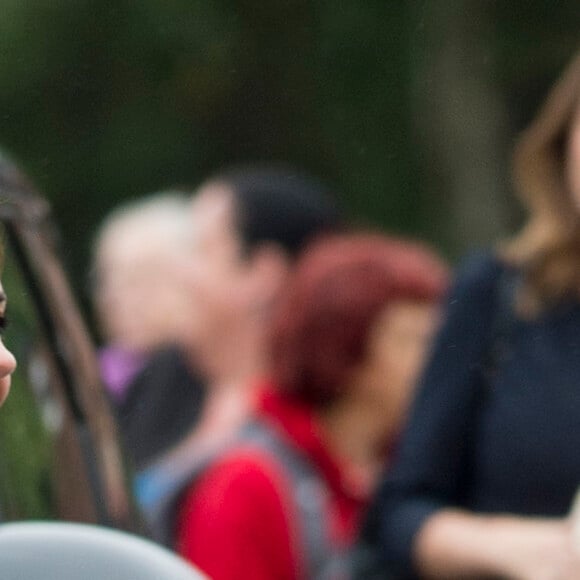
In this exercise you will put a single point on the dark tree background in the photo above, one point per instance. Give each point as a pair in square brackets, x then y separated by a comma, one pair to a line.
[407, 108]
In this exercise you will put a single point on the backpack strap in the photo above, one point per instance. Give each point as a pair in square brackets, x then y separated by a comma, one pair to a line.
[311, 496]
[160, 491]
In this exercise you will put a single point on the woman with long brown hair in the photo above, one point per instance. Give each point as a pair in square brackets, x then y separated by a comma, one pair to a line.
[490, 462]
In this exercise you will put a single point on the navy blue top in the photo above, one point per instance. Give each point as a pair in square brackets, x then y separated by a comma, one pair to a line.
[501, 439]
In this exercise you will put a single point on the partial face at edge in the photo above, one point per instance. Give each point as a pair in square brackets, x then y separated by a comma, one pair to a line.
[7, 360]
[573, 160]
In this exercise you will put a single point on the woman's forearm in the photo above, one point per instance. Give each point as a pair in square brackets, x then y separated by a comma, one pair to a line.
[457, 544]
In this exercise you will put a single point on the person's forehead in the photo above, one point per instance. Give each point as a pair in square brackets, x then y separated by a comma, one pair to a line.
[213, 197]
[213, 210]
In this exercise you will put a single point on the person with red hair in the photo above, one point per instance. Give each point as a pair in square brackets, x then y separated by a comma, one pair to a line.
[348, 340]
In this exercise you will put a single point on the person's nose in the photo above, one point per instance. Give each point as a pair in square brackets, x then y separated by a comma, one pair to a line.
[7, 361]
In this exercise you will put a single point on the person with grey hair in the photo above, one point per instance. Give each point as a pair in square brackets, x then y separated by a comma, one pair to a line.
[143, 310]
[139, 302]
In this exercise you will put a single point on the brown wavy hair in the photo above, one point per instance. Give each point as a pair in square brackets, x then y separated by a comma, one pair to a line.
[547, 249]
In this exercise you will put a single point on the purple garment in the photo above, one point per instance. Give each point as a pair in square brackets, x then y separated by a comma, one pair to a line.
[118, 367]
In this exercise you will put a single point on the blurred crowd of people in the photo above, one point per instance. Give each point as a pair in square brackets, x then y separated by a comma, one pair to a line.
[300, 398]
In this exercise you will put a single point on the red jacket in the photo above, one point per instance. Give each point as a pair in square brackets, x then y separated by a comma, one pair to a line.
[236, 521]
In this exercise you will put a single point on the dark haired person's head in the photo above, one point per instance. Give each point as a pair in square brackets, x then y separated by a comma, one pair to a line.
[249, 224]
[13, 182]
[355, 320]
[275, 204]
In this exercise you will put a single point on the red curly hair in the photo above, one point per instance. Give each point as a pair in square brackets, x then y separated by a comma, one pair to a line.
[340, 286]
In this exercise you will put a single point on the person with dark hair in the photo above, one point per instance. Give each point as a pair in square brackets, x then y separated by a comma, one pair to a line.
[248, 225]
[277, 204]
[11, 180]
[346, 341]
[489, 466]
[7, 360]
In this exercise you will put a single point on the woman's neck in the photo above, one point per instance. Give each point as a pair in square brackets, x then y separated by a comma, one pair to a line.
[355, 434]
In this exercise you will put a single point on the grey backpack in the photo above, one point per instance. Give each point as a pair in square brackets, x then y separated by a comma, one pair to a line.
[310, 495]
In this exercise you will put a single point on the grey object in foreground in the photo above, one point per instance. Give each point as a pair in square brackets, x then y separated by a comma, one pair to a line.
[68, 551]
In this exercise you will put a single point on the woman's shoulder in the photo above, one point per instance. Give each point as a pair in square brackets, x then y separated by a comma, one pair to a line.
[479, 269]
[476, 279]
[474, 295]
[240, 477]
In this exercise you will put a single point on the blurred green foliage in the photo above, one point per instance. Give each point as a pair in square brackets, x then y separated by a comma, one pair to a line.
[24, 457]
[105, 100]
[25, 442]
